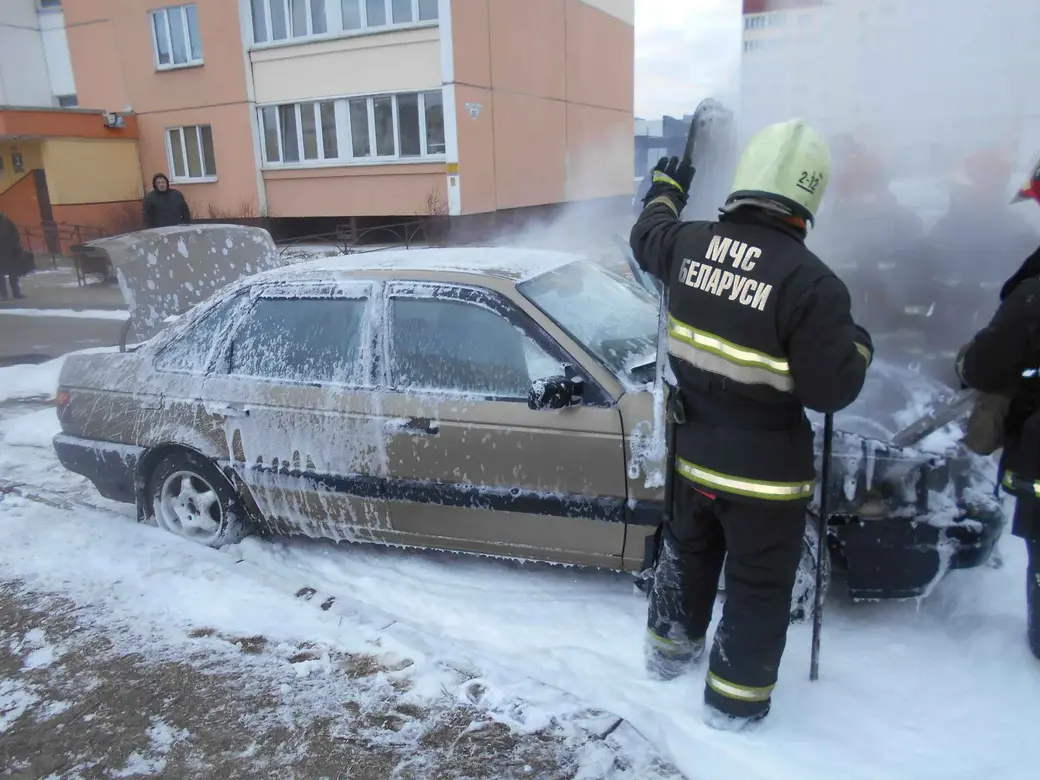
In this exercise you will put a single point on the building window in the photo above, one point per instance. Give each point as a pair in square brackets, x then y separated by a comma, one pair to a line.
[283, 20]
[379, 128]
[67, 101]
[300, 132]
[176, 42]
[49, 4]
[190, 150]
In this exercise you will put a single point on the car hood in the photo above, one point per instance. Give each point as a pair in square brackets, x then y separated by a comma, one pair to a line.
[892, 397]
[163, 272]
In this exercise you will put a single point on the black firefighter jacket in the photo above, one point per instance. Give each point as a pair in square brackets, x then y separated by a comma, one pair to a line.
[1003, 358]
[759, 329]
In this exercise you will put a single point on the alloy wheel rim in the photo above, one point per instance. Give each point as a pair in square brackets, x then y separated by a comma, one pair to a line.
[189, 506]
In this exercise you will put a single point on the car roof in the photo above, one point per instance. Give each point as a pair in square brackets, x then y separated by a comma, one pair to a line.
[507, 263]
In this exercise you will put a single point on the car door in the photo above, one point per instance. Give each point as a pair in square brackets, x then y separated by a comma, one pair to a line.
[300, 417]
[159, 401]
[471, 466]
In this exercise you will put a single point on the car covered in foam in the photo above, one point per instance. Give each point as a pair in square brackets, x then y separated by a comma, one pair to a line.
[487, 400]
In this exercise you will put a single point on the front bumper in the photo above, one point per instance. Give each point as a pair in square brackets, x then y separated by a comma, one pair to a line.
[112, 467]
[893, 558]
[900, 518]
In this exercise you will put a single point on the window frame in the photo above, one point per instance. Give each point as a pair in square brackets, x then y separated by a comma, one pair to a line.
[344, 132]
[360, 289]
[238, 298]
[490, 300]
[334, 27]
[164, 14]
[206, 178]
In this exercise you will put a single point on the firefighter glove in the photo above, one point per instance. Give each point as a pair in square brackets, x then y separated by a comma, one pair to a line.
[671, 179]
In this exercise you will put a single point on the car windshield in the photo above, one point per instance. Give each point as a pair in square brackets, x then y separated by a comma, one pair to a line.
[612, 317]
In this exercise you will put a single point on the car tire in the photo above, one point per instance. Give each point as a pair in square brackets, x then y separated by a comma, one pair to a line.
[188, 496]
[803, 597]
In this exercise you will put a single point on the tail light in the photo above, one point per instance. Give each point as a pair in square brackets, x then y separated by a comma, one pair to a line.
[62, 399]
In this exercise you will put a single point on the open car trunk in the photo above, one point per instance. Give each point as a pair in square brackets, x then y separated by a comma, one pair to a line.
[163, 272]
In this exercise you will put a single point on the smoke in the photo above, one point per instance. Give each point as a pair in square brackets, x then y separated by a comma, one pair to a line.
[931, 112]
[930, 109]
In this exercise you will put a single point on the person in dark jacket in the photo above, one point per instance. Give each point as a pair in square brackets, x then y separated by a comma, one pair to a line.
[165, 206]
[11, 262]
[759, 329]
[1004, 358]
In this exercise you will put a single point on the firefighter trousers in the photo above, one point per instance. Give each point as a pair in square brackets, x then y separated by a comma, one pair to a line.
[1026, 525]
[764, 546]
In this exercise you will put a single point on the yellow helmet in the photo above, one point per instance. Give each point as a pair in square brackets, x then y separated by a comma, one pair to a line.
[788, 163]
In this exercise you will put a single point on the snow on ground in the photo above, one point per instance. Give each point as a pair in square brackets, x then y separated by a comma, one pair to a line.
[82, 314]
[23, 382]
[941, 688]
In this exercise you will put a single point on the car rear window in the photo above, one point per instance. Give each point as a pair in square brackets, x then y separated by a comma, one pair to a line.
[191, 350]
[302, 340]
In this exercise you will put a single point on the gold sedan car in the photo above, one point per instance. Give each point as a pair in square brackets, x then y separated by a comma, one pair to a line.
[484, 400]
[487, 400]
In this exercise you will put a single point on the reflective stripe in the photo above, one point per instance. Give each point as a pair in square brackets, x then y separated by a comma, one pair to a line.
[711, 353]
[673, 646]
[663, 200]
[742, 692]
[865, 352]
[1009, 483]
[774, 491]
[664, 178]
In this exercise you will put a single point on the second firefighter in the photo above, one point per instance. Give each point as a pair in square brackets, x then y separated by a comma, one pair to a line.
[759, 329]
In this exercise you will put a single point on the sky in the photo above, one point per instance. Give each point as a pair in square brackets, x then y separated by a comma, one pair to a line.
[686, 50]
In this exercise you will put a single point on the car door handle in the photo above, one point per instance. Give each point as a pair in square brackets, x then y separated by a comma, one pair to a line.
[420, 426]
[153, 404]
[227, 410]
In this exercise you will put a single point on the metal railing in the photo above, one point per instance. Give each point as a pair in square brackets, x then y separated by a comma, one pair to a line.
[353, 240]
[53, 238]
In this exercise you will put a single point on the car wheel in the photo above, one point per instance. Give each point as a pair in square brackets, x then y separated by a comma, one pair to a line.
[188, 496]
[803, 597]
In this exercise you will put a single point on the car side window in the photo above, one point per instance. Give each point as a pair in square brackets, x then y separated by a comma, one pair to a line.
[191, 350]
[456, 346]
[315, 340]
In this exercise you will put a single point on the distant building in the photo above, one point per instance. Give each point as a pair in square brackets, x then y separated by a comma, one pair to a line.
[658, 138]
[35, 69]
[65, 173]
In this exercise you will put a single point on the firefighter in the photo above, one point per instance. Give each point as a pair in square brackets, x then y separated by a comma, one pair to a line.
[1003, 359]
[759, 328]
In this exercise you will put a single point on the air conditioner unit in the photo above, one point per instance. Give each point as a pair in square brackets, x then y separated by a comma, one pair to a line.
[114, 120]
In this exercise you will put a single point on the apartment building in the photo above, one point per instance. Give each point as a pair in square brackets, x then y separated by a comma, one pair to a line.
[64, 172]
[35, 69]
[367, 108]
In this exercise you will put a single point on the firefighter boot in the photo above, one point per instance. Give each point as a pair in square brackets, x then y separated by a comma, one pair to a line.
[667, 658]
[721, 721]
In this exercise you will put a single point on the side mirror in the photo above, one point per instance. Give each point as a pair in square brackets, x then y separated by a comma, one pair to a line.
[555, 392]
